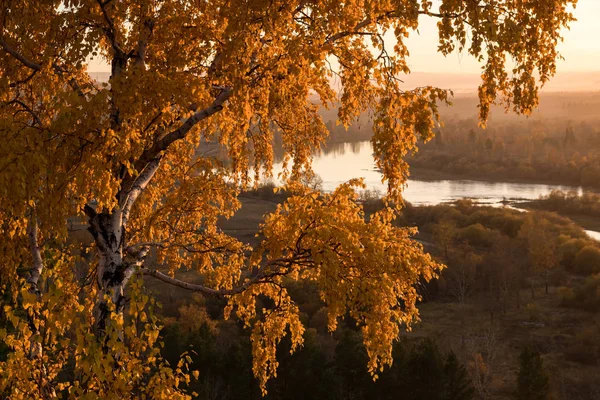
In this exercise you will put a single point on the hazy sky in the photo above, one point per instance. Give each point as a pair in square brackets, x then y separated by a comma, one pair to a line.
[581, 47]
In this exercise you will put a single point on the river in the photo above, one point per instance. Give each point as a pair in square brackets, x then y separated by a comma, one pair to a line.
[344, 161]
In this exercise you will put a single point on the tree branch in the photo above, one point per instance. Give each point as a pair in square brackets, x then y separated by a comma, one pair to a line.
[261, 277]
[138, 262]
[179, 133]
[192, 286]
[138, 186]
[24, 60]
[111, 32]
[389, 14]
[37, 67]
[189, 248]
[36, 118]
[149, 161]
[38, 264]
[140, 57]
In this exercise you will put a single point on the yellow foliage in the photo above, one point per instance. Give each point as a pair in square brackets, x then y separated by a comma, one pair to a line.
[125, 152]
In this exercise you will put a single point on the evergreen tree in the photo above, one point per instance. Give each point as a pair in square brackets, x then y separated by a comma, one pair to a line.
[457, 382]
[426, 369]
[532, 379]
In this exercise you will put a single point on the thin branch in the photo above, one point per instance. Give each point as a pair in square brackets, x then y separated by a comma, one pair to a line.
[24, 60]
[36, 118]
[29, 77]
[38, 264]
[192, 286]
[189, 248]
[37, 67]
[156, 117]
[389, 14]
[261, 277]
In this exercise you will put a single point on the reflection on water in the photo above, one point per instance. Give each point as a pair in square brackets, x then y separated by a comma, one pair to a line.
[340, 162]
[593, 234]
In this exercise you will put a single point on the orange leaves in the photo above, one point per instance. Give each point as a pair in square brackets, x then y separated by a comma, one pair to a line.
[69, 142]
[401, 119]
[365, 268]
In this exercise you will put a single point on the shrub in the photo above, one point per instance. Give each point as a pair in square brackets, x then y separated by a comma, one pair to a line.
[478, 235]
[587, 261]
[585, 296]
[457, 385]
[569, 250]
[533, 311]
[371, 200]
[532, 379]
[585, 348]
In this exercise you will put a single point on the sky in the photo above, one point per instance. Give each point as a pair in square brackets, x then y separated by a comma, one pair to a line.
[581, 47]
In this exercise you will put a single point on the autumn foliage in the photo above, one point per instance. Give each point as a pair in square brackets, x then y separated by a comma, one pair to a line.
[120, 156]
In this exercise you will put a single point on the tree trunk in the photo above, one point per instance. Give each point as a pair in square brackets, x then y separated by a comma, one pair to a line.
[112, 274]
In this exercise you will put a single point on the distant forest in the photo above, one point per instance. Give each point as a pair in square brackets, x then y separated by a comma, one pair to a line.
[559, 143]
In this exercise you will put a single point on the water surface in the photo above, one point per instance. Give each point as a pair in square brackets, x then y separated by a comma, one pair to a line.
[341, 162]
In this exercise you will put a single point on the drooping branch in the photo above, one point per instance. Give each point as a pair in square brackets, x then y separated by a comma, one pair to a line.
[271, 269]
[389, 14]
[36, 118]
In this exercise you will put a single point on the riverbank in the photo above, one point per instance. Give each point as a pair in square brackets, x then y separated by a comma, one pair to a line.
[430, 174]
[584, 209]
[587, 222]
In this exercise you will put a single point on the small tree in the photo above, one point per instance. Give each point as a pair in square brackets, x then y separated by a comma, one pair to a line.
[445, 233]
[458, 385]
[541, 245]
[532, 379]
[461, 273]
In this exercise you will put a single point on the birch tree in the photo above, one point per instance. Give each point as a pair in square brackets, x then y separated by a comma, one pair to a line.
[122, 156]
